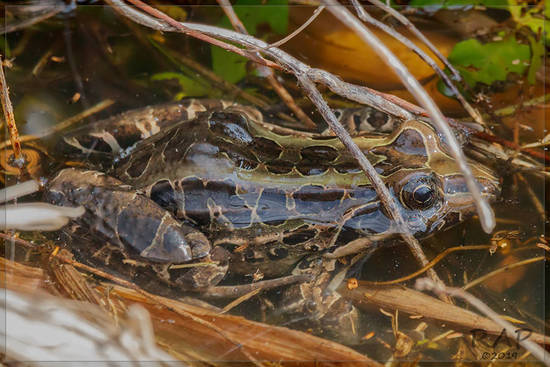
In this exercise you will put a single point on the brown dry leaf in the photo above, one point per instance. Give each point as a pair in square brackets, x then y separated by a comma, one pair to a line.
[342, 52]
[189, 332]
[414, 302]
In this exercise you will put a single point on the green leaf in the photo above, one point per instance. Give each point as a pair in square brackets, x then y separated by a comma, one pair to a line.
[273, 13]
[536, 18]
[228, 65]
[489, 62]
[538, 51]
[189, 87]
[434, 5]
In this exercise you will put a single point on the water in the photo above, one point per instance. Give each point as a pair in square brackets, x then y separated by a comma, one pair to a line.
[80, 58]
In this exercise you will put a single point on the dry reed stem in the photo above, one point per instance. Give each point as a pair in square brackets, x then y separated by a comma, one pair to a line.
[278, 87]
[411, 27]
[536, 350]
[306, 77]
[363, 15]
[203, 37]
[415, 303]
[19, 159]
[298, 30]
[486, 214]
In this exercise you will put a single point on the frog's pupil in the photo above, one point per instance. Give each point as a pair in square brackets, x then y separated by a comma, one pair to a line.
[423, 194]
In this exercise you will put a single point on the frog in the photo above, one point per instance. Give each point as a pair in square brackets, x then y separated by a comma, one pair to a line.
[186, 193]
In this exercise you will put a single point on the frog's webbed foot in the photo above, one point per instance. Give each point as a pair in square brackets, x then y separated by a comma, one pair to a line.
[317, 307]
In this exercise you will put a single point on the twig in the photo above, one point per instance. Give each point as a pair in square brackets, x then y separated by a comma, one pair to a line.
[429, 265]
[535, 349]
[183, 62]
[407, 23]
[15, 191]
[306, 76]
[315, 14]
[79, 117]
[51, 9]
[486, 214]
[19, 159]
[363, 15]
[507, 267]
[368, 168]
[386, 103]
[278, 87]
[536, 202]
[203, 37]
[65, 123]
[231, 305]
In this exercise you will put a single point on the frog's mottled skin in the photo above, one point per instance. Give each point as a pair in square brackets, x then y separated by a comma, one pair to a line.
[206, 181]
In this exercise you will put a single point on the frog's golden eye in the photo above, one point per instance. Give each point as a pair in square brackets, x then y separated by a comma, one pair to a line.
[419, 193]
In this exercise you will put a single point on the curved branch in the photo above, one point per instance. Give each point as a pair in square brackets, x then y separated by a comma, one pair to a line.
[486, 215]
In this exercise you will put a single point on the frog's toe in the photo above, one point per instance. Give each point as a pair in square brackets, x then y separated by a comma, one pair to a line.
[199, 244]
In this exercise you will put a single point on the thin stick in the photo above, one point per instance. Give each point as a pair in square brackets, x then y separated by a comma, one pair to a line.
[368, 168]
[289, 101]
[15, 191]
[19, 160]
[65, 123]
[507, 267]
[51, 9]
[181, 61]
[203, 37]
[231, 305]
[278, 87]
[534, 199]
[363, 15]
[297, 31]
[486, 214]
[386, 103]
[407, 23]
[306, 75]
[429, 265]
[534, 348]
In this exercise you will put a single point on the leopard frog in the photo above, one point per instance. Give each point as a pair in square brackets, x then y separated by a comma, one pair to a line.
[211, 184]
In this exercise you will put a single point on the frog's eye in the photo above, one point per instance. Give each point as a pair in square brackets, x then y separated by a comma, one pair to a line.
[419, 193]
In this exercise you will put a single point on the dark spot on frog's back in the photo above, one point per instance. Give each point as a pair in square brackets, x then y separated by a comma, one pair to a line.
[231, 125]
[279, 166]
[377, 118]
[319, 153]
[311, 169]
[266, 148]
[410, 142]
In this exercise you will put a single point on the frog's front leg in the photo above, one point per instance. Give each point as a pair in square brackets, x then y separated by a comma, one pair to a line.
[326, 312]
[143, 231]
